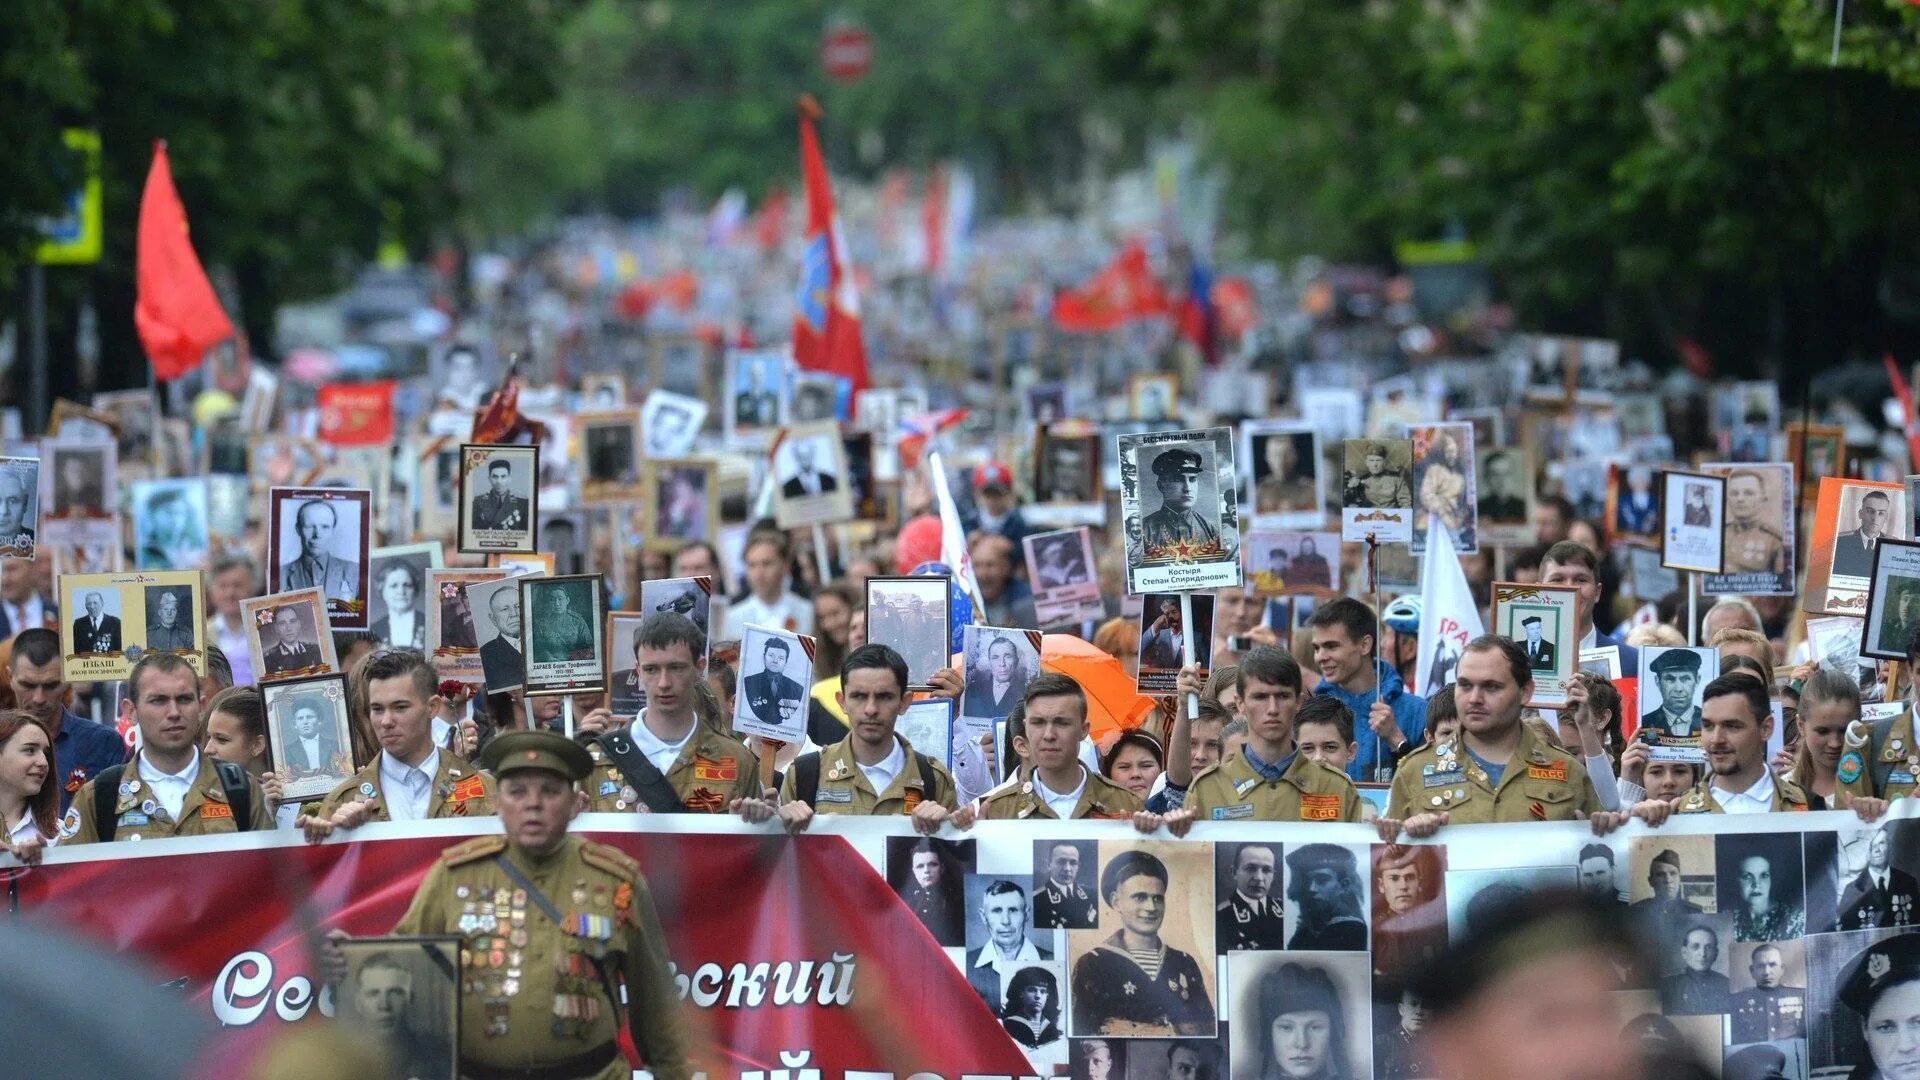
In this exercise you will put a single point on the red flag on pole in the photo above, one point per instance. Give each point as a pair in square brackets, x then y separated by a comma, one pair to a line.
[356, 414]
[1910, 423]
[1124, 290]
[826, 328]
[175, 311]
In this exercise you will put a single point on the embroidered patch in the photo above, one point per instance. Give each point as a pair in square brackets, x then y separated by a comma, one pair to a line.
[1556, 772]
[70, 824]
[471, 788]
[715, 770]
[215, 810]
[1319, 808]
[834, 795]
[910, 800]
[1851, 765]
[1236, 812]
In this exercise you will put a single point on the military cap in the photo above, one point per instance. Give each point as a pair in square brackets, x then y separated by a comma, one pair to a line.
[1177, 462]
[1667, 856]
[1676, 660]
[1129, 864]
[1758, 1062]
[1531, 620]
[1377, 449]
[1880, 966]
[1296, 988]
[1309, 857]
[537, 750]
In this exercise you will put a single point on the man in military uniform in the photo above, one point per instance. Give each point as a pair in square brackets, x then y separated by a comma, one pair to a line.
[1735, 721]
[1540, 652]
[1676, 673]
[167, 631]
[1753, 546]
[289, 652]
[1500, 499]
[550, 922]
[1177, 477]
[1063, 903]
[562, 634]
[1378, 488]
[1882, 894]
[1324, 882]
[411, 778]
[1286, 487]
[498, 507]
[1769, 1011]
[1054, 784]
[932, 895]
[1696, 989]
[380, 996]
[1666, 914]
[766, 688]
[1252, 918]
[96, 632]
[666, 761]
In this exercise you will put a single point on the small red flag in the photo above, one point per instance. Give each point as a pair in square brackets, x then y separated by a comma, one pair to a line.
[175, 311]
[356, 414]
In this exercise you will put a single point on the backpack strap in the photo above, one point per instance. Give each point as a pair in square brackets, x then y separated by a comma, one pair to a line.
[1877, 741]
[106, 792]
[806, 777]
[233, 780]
[651, 784]
[925, 765]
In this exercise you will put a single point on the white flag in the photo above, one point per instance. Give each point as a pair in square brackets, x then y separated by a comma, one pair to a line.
[953, 539]
[1448, 616]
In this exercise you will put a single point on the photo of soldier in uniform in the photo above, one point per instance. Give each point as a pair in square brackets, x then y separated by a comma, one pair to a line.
[96, 631]
[1249, 913]
[287, 634]
[610, 447]
[911, 614]
[400, 993]
[682, 501]
[671, 422]
[19, 506]
[1873, 519]
[319, 540]
[1759, 881]
[562, 624]
[1758, 555]
[1326, 898]
[1634, 507]
[1443, 484]
[758, 385]
[1300, 1015]
[170, 524]
[1066, 467]
[1540, 651]
[1409, 907]
[497, 504]
[1670, 882]
[1893, 600]
[1885, 891]
[1698, 984]
[82, 474]
[1177, 506]
[170, 622]
[776, 668]
[1505, 489]
[1063, 900]
[1060, 566]
[1376, 490]
[927, 874]
[1769, 996]
[999, 663]
[1150, 914]
[1286, 473]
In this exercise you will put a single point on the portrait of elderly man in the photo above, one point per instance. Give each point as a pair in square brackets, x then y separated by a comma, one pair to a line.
[1323, 880]
[16, 505]
[295, 647]
[1176, 477]
[1770, 1009]
[1881, 894]
[317, 567]
[95, 631]
[1003, 911]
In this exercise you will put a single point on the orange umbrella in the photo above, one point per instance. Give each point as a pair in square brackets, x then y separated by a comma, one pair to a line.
[1114, 704]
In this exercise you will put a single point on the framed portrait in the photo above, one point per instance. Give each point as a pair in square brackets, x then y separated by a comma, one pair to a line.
[288, 636]
[1376, 490]
[1816, 451]
[626, 690]
[756, 400]
[910, 614]
[74, 420]
[170, 524]
[1834, 641]
[498, 507]
[396, 600]
[453, 637]
[1758, 537]
[998, 664]
[1284, 458]
[608, 453]
[1672, 680]
[1893, 600]
[1443, 485]
[1061, 568]
[1046, 403]
[19, 506]
[310, 734]
[1164, 635]
[682, 501]
[1152, 395]
[1633, 503]
[564, 624]
[872, 501]
[403, 993]
[1850, 518]
[1180, 1001]
[78, 479]
[1692, 514]
[775, 672]
[1541, 619]
[810, 485]
[500, 629]
[927, 725]
[109, 620]
[319, 540]
[670, 422]
[83, 545]
[818, 397]
[463, 373]
[603, 391]
[1182, 523]
[1280, 562]
[1603, 661]
[229, 506]
[878, 411]
[683, 364]
[691, 597]
[1067, 481]
[134, 415]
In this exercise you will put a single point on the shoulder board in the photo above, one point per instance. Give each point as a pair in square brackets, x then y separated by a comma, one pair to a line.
[1204, 773]
[1790, 793]
[480, 847]
[611, 859]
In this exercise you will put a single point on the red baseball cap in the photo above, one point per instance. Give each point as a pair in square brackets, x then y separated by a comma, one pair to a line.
[992, 475]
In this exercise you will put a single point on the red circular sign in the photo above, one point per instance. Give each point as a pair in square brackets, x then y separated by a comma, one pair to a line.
[846, 52]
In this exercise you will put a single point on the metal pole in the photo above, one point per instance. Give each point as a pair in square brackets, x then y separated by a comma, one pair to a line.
[1186, 649]
[1693, 610]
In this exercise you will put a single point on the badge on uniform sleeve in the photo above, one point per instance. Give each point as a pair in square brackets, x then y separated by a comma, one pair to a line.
[70, 824]
[1850, 767]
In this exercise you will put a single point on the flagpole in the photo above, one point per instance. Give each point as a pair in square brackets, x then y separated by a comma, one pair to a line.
[1186, 649]
[1693, 609]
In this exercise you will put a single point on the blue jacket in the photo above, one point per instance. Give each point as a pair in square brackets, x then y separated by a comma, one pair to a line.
[1629, 656]
[1409, 711]
[81, 751]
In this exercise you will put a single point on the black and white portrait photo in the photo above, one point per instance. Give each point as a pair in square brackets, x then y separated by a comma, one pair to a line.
[287, 635]
[1505, 494]
[683, 501]
[497, 501]
[671, 422]
[1759, 880]
[311, 742]
[776, 668]
[1000, 938]
[809, 475]
[1376, 490]
[602, 392]
[497, 629]
[1067, 467]
[626, 690]
[910, 614]
[96, 625]
[691, 597]
[610, 456]
[999, 663]
[1692, 508]
[1474, 896]
[1865, 1003]
[396, 604]
[463, 375]
[319, 540]
[1409, 907]
[1326, 897]
[1248, 911]
[816, 397]
[757, 393]
[170, 524]
[928, 875]
[1060, 566]
[401, 993]
[563, 623]
[1285, 459]
[19, 506]
[1177, 505]
[172, 625]
[1149, 908]
[1064, 897]
[1304, 1016]
[81, 475]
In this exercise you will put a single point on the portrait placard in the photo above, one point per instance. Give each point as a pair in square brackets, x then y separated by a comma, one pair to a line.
[809, 476]
[999, 662]
[318, 538]
[1633, 503]
[910, 614]
[1152, 395]
[927, 725]
[77, 479]
[1376, 491]
[1692, 515]
[757, 401]
[1180, 1000]
[1603, 661]
[284, 461]
[403, 994]
[229, 505]
[396, 602]
[818, 396]
[564, 627]
[1443, 485]
[498, 508]
[19, 506]
[1060, 566]
[1834, 640]
[691, 597]
[608, 453]
[670, 422]
[1850, 517]
[134, 415]
[83, 545]
[110, 620]
[288, 636]
[1672, 681]
[310, 734]
[1283, 563]
[500, 628]
[776, 668]
[1285, 460]
[170, 524]
[1067, 487]
[1542, 620]
[603, 391]
[1759, 540]
[682, 502]
[1162, 637]
[1182, 524]
[626, 690]
[1817, 452]
[1893, 600]
[453, 642]
[1505, 486]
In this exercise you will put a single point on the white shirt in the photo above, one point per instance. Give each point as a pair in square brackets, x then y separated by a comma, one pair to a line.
[760, 613]
[407, 787]
[881, 775]
[27, 830]
[660, 753]
[400, 628]
[1024, 956]
[1591, 640]
[1757, 799]
[1061, 805]
[170, 789]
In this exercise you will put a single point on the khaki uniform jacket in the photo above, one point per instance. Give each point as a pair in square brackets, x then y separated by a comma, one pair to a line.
[1897, 751]
[1308, 791]
[203, 813]
[844, 789]
[711, 771]
[1101, 798]
[1787, 798]
[1541, 783]
[458, 790]
[530, 995]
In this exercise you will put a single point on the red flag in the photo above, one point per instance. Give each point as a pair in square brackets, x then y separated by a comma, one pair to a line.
[1237, 310]
[356, 414]
[770, 224]
[500, 422]
[1909, 421]
[933, 219]
[916, 431]
[1121, 292]
[826, 328]
[174, 310]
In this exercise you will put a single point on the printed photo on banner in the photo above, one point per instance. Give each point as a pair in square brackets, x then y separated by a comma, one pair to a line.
[682, 502]
[1759, 881]
[1163, 637]
[19, 506]
[1007, 958]
[1893, 600]
[910, 614]
[1863, 876]
[1300, 1015]
[1672, 680]
[116, 618]
[608, 454]
[564, 626]
[499, 628]
[1443, 485]
[817, 397]
[1759, 541]
[319, 540]
[1376, 490]
[1850, 518]
[1152, 395]
[1060, 566]
[1505, 488]
[757, 389]
[1541, 620]
[670, 423]
[1152, 902]
[311, 736]
[79, 477]
[1282, 563]
[602, 392]
[1816, 451]
[809, 476]
[1633, 506]
[288, 636]
[1693, 510]
[1252, 916]
[402, 994]
[998, 664]
[927, 725]
[453, 641]
[1067, 483]
[169, 524]
[1409, 908]
[929, 876]
[1285, 460]
[497, 504]
[1182, 525]
[776, 668]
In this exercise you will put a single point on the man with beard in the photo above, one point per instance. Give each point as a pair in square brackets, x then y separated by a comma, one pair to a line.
[1769, 1011]
[1252, 917]
[1409, 926]
[1324, 881]
[1696, 989]
[1003, 911]
[1177, 477]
